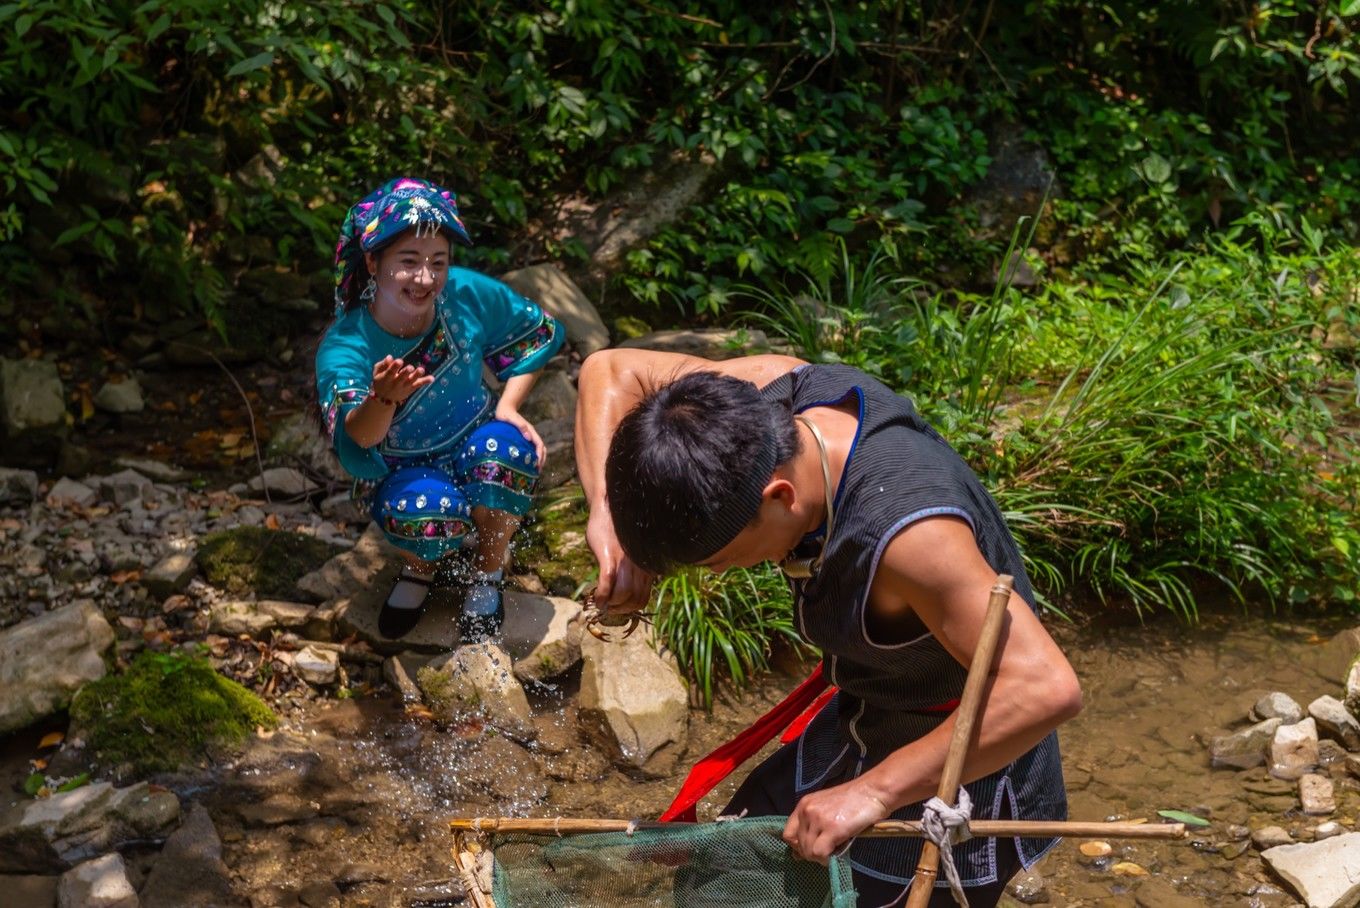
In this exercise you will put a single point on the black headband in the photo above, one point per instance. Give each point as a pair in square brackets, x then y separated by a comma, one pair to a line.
[736, 510]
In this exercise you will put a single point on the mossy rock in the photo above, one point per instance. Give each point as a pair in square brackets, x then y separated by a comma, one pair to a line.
[164, 712]
[555, 545]
[268, 563]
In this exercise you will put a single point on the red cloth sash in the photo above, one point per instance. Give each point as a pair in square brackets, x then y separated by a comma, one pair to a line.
[792, 714]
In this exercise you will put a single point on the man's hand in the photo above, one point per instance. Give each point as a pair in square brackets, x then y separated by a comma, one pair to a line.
[825, 820]
[621, 584]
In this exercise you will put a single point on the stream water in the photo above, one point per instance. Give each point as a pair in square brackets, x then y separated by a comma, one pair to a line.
[352, 806]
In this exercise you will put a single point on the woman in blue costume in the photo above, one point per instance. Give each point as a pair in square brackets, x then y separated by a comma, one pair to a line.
[434, 452]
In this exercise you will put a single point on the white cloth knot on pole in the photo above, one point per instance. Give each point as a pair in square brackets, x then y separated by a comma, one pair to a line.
[946, 827]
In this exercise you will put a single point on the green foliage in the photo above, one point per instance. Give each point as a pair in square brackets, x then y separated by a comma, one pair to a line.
[266, 562]
[723, 624]
[1147, 432]
[163, 711]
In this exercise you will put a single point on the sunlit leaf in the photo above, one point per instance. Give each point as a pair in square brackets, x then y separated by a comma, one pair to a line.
[1181, 816]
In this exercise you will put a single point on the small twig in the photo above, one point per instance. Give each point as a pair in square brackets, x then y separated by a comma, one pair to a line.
[250, 411]
[1317, 30]
[830, 51]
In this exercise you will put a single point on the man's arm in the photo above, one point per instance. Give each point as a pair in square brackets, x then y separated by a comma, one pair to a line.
[611, 383]
[934, 569]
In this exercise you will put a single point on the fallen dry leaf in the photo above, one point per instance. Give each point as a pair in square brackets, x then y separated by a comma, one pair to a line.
[122, 577]
[1128, 868]
[51, 739]
[175, 603]
[272, 521]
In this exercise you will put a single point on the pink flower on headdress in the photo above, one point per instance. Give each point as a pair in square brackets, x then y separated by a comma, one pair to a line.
[408, 183]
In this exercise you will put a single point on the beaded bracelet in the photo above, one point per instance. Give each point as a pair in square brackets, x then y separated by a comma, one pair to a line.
[382, 400]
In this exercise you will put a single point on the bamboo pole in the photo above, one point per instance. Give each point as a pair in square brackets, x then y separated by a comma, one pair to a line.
[923, 883]
[465, 861]
[1072, 829]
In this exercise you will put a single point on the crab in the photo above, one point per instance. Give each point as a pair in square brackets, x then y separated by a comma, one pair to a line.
[599, 620]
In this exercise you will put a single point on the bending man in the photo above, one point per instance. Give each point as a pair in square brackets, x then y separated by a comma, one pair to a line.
[891, 545]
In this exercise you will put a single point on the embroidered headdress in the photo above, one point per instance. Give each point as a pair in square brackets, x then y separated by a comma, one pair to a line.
[392, 208]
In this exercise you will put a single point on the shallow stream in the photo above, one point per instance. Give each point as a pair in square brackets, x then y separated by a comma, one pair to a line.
[360, 793]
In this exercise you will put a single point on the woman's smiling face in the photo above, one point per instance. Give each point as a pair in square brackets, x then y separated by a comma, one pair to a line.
[410, 274]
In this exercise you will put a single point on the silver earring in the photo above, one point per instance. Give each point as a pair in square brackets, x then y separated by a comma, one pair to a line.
[370, 290]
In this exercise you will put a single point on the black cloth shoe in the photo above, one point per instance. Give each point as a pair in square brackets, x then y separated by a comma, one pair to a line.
[394, 622]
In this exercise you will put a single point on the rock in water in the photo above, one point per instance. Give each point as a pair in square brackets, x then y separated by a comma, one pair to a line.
[1244, 749]
[1294, 750]
[1280, 706]
[1335, 721]
[1325, 874]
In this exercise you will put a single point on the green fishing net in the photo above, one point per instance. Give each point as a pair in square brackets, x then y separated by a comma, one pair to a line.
[700, 865]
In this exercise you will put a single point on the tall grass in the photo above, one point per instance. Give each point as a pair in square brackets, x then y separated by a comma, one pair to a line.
[1177, 434]
[721, 626]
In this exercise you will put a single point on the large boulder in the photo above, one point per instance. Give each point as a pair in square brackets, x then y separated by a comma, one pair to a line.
[298, 441]
[542, 634]
[550, 287]
[45, 660]
[68, 828]
[1325, 874]
[352, 571]
[634, 703]
[477, 680]
[552, 397]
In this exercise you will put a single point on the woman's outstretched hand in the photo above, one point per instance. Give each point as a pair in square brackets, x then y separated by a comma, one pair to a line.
[394, 380]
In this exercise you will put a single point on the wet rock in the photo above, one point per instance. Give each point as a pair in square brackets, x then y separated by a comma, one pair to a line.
[120, 397]
[31, 891]
[45, 660]
[67, 491]
[1271, 837]
[189, 872]
[553, 397]
[1333, 660]
[1294, 750]
[100, 883]
[1316, 795]
[634, 702]
[558, 295]
[1327, 830]
[1029, 888]
[1233, 850]
[275, 897]
[1277, 706]
[320, 894]
[1352, 696]
[542, 634]
[496, 766]
[342, 506]
[1158, 893]
[353, 874]
[125, 486]
[74, 826]
[1324, 874]
[282, 482]
[1330, 752]
[1335, 721]
[170, 575]
[478, 680]
[277, 809]
[18, 487]
[316, 666]
[706, 343]
[431, 893]
[1244, 749]
[400, 672]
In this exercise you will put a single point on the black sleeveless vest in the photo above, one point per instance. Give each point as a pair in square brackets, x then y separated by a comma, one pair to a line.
[899, 471]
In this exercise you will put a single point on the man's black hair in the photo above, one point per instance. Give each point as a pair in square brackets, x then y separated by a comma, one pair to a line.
[681, 468]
